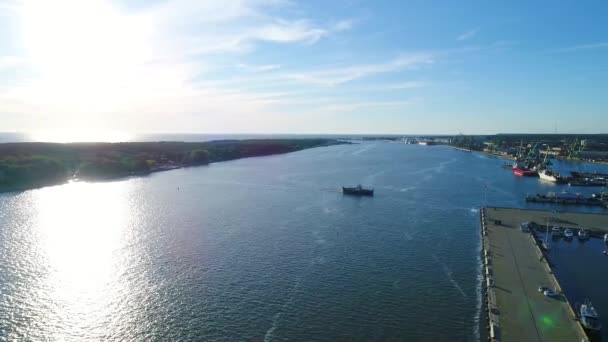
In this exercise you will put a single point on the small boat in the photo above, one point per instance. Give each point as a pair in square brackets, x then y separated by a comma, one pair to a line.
[550, 293]
[589, 317]
[568, 233]
[546, 246]
[556, 231]
[606, 238]
[547, 291]
[583, 235]
[357, 191]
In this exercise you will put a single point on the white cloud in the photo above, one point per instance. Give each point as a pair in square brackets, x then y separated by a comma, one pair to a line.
[336, 76]
[146, 62]
[370, 105]
[591, 46]
[467, 35]
[258, 68]
[7, 62]
[234, 26]
[407, 85]
[343, 25]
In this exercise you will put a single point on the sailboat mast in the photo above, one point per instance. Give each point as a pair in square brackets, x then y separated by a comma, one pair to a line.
[547, 235]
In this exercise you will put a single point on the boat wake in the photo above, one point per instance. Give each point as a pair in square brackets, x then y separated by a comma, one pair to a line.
[319, 240]
[370, 179]
[362, 150]
[448, 273]
[435, 169]
[408, 236]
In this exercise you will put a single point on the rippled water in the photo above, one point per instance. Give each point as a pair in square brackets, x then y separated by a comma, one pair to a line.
[257, 249]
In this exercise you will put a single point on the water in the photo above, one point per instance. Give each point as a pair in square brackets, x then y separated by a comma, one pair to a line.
[259, 249]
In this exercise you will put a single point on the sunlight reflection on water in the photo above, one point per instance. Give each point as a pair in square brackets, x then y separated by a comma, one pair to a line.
[80, 228]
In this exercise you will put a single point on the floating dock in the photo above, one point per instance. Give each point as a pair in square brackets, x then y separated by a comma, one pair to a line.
[514, 268]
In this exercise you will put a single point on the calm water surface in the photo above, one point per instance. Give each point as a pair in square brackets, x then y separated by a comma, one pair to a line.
[260, 249]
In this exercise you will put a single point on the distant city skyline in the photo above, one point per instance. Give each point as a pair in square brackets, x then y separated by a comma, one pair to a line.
[78, 68]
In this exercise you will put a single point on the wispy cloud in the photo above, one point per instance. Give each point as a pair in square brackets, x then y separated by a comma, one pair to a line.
[467, 35]
[592, 46]
[353, 106]
[339, 75]
[407, 85]
[236, 26]
[258, 68]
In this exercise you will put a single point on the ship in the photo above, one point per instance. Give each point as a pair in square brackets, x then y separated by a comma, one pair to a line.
[426, 142]
[588, 182]
[589, 317]
[591, 175]
[357, 191]
[520, 169]
[551, 176]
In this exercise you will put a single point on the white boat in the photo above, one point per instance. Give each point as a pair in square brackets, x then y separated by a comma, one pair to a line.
[548, 175]
[589, 317]
[546, 245]
[606, 238]
[556, 231]
[583, 235]
[568, 233]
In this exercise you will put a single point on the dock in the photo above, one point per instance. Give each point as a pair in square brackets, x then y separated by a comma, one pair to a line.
[555, 199]
[514, 268]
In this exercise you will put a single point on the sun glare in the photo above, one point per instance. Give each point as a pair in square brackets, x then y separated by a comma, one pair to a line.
[79, 242]
[85, 53]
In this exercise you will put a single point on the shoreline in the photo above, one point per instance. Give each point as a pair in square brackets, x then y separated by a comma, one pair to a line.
[481, 152]
[215, 151]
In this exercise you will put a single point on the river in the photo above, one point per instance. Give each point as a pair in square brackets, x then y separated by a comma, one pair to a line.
[259, 249]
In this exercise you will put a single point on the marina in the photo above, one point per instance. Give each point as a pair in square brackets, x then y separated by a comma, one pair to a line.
[525, 301]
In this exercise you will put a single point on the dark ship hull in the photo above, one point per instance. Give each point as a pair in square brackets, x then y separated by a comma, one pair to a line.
[357, 191]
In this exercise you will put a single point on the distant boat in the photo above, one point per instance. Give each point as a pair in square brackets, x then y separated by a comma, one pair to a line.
[357, 191]
[568, 233]
[606, 238]
[556, 231]
[589, 317]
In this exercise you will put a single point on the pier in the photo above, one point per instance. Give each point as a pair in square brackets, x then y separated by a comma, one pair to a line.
[514, 268]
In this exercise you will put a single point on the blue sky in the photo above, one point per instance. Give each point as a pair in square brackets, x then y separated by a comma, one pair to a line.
[275, 66]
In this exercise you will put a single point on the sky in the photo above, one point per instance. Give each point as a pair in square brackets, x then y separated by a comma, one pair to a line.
[280, 66]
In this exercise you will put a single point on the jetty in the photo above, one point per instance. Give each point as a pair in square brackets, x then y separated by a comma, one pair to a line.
[514, 267]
